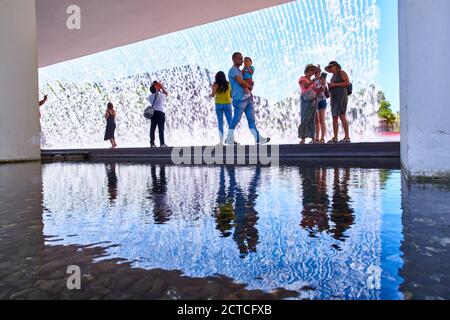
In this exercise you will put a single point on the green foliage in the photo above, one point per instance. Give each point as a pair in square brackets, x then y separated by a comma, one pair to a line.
[385, 113]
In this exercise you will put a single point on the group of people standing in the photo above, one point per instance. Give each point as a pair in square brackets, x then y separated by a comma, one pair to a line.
[313, 103]
[237, 94]
[314, 94]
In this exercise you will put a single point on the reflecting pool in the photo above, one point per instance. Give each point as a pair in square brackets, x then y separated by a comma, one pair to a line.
[198, 232]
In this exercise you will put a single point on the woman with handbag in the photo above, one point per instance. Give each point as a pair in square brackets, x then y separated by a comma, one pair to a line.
[308, 105]
[340, 89]
[157, 100]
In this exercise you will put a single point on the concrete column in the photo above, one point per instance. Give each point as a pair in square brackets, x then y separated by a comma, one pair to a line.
[19, 114]
[425, 87]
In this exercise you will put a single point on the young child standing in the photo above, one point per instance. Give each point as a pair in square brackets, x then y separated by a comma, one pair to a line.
[247, 75]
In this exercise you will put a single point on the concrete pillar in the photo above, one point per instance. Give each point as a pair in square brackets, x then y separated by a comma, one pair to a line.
[425, 87]
[19, 114]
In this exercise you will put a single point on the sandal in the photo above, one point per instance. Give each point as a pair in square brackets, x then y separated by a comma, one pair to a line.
[321, 141]
[346, 140]
[314, 141]
[334, 140]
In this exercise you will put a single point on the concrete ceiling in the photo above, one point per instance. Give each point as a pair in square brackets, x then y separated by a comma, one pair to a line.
[106, 24]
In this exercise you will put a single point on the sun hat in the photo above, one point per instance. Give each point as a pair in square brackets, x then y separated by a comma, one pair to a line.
[309, 66]
[331, 64]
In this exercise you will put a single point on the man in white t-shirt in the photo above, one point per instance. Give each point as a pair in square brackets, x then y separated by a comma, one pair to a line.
[157, 100]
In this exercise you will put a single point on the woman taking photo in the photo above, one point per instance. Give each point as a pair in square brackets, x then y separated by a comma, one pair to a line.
[308, 105]
[157, 100]
[339, 100]
[222, 91]
[110, 116]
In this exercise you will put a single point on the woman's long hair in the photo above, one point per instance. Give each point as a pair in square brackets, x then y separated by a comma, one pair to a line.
[110, 106]
[221, 82]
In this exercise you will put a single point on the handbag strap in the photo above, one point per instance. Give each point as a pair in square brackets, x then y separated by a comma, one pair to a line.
[154, 100]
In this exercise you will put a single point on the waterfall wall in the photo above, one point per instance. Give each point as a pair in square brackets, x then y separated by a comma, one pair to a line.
[281, 40]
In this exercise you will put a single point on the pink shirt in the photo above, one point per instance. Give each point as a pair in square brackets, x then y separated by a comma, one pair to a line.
[302, 88]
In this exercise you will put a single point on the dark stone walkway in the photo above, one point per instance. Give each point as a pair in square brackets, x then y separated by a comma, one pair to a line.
[372, 150]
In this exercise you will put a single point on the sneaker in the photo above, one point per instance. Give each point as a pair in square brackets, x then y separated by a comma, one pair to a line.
[164, 145]
[263, 141]
[152, 145]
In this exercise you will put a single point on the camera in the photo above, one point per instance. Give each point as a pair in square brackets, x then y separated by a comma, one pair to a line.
[157, 85]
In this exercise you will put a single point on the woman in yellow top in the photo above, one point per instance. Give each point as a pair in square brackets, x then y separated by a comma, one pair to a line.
[222, 91]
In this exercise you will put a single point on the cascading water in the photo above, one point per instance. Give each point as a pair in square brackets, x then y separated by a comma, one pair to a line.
[281, 40]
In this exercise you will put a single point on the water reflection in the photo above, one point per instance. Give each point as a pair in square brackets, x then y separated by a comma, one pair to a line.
[112, 181]
[315, 200]
[426, 243]
[33, 266]
[319, 214]
[236, 208]
[143, 231]
[157, 193]
[246, 233]
[341, 212]
[240, 222]
[224, 210]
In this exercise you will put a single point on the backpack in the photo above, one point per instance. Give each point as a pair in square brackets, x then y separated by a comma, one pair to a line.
[349, 88]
